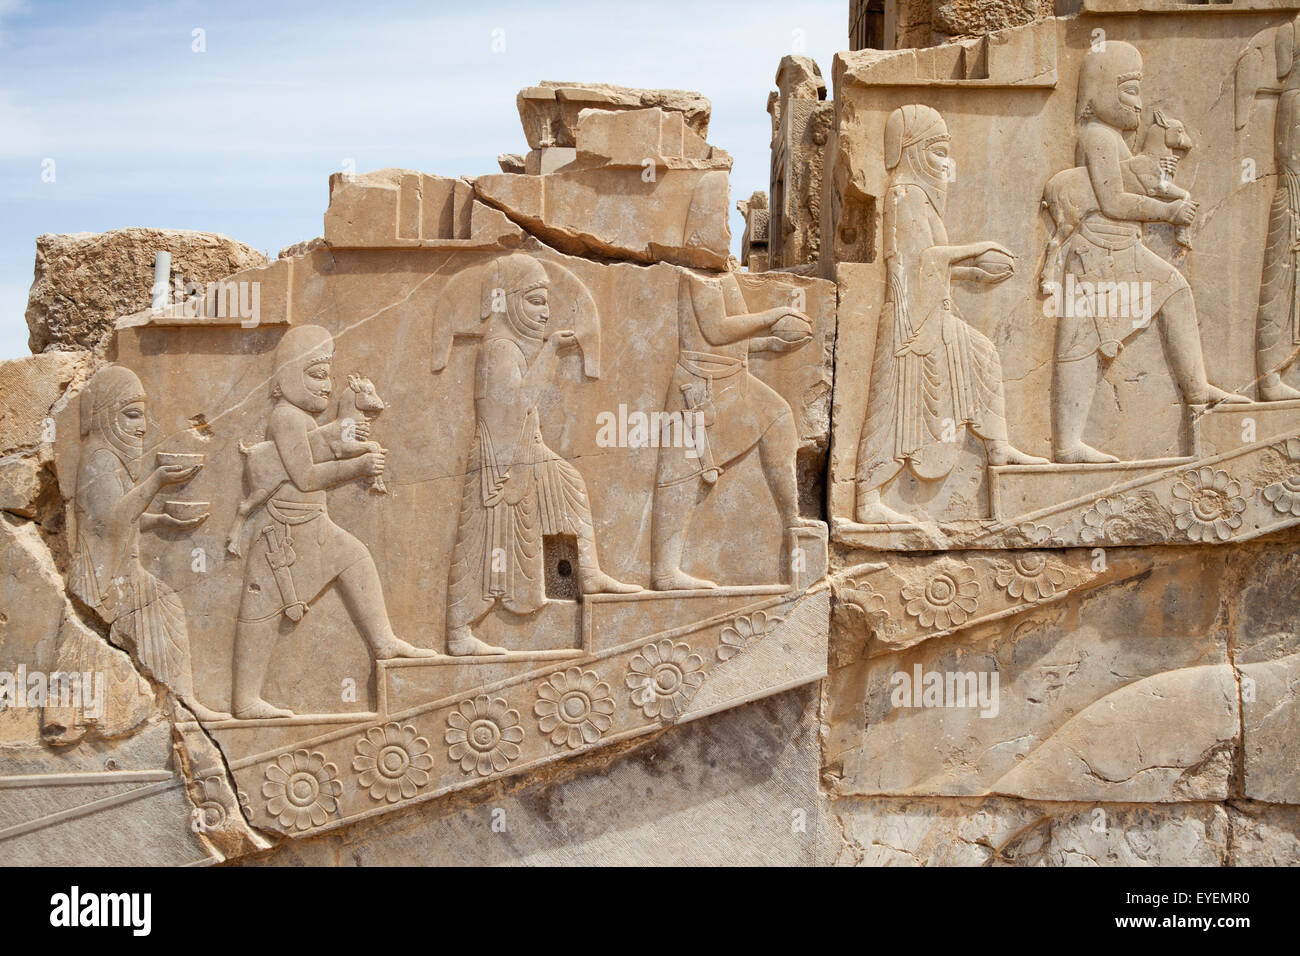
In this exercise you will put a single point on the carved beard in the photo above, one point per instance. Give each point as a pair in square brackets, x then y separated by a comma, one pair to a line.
[1118, 114]
[916, 170]
[292, 385]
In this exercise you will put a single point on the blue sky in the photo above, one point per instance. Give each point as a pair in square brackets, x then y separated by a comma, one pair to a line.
[241, 139]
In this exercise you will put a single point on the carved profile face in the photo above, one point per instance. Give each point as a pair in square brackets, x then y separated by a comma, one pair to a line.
[536, 306]
[303, 360]
[1130, 102]
[317, 385]
[131, 422]
[936, 157]
[1110, 86]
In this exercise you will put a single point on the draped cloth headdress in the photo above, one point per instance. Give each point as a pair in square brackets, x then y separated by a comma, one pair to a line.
[472, 296]
[909, 133]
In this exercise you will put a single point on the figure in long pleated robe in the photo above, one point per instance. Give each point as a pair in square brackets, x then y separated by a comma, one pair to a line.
[110, 508]
[932, 375]
[516, 490]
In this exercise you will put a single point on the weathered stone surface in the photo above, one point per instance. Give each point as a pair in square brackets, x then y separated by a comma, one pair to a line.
[1049, 703]
[639, 184]
[741, 785]
[29, 387]
[801, 127]
[1031, 412]
[595, 452]
[550, 112]
[84, 281]
[486, 527]
[1264, 835]
[1000, 832]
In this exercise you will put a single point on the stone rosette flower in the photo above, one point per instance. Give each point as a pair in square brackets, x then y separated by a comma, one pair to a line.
[1284, 495]
[483, 735]
[1108, 521]
[1207, 504]
[1029, 534]
[744, 631]
[392, 762]
[945, 599]
[1029, 576]
[301, 789]
[663, 677]
[574, 707]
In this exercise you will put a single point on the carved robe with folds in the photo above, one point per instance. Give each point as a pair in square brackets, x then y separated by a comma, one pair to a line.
[931, 372]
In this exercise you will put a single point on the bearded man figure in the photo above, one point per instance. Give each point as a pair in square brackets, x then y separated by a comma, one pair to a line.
[516, 490]
[932, 375]
[298, 551]
[1107, 249]
[109, 510]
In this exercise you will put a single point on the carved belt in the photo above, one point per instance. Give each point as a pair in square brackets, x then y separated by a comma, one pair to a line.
[1111, 243]
[709, 365]
[294, 512]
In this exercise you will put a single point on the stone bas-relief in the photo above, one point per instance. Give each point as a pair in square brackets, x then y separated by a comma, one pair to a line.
[443, 512]
[1101, 366]
[511, 495]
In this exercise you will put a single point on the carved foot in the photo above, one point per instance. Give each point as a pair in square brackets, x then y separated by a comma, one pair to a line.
[799, 521]
[1082, 454]
[1214, 395]
[259, 710]
[1004, 454]
[461, 642]
[1273, 389]
[205, 713]
[396, 647]
[679, 580]
[598, 582]
[877, 512]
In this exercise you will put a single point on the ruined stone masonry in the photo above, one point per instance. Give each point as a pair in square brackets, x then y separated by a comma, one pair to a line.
[954, 524]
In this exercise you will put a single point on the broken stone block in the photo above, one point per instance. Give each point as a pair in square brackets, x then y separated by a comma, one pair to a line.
[754, 244]
[642, 186]
[85, 281]
[550, 112]
[29, 387]
[396, 208]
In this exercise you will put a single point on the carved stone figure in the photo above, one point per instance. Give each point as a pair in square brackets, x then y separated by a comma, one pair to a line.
[1069, 195]
[297, 551]
[716, 333]
[343, 438]
[110, 509]
[932, 375]
[1107, 250]
[516, 489]
[1269, 66]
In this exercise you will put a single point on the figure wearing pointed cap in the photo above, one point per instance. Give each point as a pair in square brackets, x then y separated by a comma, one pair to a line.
[516, 489]
[110, 508]
[1107, 248]
[930, 368]
[297, 551]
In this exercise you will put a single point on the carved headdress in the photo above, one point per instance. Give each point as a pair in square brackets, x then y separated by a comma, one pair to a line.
[505, 284]
[473, 296]
[1104, 70]
[909, 133]
[110, 390]
[301, 347]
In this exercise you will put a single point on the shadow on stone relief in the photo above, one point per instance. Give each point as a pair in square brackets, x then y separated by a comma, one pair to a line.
[524, 468]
